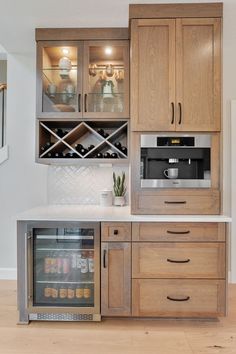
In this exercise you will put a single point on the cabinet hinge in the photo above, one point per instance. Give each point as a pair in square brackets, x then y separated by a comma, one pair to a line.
[28, 234]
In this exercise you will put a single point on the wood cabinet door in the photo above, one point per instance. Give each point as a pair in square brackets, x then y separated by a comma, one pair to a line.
[116, 279]
[152, 75]
[198, 74]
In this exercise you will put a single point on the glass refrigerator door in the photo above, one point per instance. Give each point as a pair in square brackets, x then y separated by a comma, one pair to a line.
[63, 267]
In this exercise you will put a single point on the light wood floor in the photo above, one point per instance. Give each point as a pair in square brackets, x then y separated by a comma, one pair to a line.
[115, 336]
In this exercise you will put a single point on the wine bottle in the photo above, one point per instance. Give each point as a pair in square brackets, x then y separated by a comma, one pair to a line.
[114, 155]
[78, 147]
[83, 151]
[99, 155]
[118, 145]
[90, 147]
[100, 131]
[59, 132]
[106, 155]
[49, 155]
[105, 135]
[124, 149]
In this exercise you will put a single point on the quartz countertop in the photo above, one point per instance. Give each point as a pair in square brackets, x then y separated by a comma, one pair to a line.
[98, 213]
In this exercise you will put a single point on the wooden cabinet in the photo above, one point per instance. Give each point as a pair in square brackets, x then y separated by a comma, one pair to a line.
[116, 269]
[179, 269]
[178, 298]
[83, 79]
[176, 74]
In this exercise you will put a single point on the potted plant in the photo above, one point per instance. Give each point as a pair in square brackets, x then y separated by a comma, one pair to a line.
[119, 189]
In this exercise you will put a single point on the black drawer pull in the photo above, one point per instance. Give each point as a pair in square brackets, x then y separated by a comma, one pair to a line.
[173, 299]
[116, 232]
[173, 112]
[104, 258]
[79, 99]
[175, 261]
[178, 232]
[175, 202]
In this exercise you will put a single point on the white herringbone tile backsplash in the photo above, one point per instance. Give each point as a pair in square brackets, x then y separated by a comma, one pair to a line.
[80, 184]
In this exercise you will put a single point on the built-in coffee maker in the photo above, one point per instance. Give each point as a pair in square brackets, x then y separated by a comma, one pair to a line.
[175, 161]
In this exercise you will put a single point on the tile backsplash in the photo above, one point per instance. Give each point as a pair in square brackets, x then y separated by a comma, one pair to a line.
[80, 184]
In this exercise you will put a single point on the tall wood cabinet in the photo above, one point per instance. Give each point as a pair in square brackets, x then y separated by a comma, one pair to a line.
[176, 74]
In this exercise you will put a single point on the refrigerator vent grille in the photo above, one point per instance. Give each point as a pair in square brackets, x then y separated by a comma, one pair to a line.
[60, 317]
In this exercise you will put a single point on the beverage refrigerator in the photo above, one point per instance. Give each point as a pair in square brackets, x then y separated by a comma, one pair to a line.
[62, 271]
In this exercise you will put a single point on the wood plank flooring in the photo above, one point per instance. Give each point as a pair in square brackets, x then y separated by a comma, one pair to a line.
[123, 336]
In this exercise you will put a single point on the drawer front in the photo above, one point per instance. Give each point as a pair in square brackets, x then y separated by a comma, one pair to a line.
[202, 232]
[186, 204]
[178, 260]
[116, 231]
[178, 298]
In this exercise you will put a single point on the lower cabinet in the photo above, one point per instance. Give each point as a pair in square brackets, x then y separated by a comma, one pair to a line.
[116, 279]
[178, 298]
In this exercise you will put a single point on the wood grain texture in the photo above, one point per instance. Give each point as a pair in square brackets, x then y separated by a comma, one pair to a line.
[115, 336]
[181, 232]
[206, 298]
[116, 279]
[116, 231]
[74, 34]
[198, 74]
[159, 260]
[152, 74]
[175, 10]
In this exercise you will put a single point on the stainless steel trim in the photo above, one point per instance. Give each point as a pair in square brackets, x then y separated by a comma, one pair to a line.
[64, 237]
[150, 140]
[175, 183]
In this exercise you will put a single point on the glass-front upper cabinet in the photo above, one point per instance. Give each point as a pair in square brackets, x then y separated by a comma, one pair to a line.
[106, 79]
[59, 79]
[85, 79]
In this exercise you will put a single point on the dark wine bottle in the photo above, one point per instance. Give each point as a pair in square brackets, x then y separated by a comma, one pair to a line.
[83, 151]
[99, 155]
[48, 145]
[59, 132]
[78, 147]
[118, 145]
[71, 154]
[49, 155]
[124, 149]
[106, 155]
[58, 155]
[114, 155]
[100, 131]
[105, 135]
[90, 147]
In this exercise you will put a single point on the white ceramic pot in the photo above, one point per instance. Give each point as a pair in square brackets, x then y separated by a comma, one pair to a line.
[106, 198]
[119, 201]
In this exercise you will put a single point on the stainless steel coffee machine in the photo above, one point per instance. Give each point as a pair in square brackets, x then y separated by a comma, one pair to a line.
[175, 160]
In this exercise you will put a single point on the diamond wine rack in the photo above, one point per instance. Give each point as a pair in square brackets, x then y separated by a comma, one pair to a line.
[73, 141]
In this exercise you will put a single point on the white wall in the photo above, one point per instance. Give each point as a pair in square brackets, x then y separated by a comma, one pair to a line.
[22, 182]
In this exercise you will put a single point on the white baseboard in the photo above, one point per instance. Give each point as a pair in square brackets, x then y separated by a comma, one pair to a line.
[8, 273]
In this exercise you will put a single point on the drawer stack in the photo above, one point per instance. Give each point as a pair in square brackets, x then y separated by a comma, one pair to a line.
[178, 269]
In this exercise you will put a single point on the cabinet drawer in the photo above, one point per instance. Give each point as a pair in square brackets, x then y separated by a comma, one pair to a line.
[178, 298]
[178, 260]
[185, 204]
[116, 231]
[203, 232]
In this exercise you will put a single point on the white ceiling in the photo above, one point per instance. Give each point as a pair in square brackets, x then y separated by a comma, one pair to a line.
[19, 18]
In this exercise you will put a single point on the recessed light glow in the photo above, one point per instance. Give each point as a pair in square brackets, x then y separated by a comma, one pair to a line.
[65, 51]
[108, 50]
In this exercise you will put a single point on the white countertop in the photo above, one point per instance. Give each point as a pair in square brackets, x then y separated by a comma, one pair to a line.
[98, 213]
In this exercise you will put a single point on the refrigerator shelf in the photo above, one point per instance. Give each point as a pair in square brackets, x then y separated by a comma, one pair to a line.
[65, 249]
[64, 282]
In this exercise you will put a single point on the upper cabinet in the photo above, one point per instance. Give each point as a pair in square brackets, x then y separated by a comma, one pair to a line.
[176, 74]
[83, 79]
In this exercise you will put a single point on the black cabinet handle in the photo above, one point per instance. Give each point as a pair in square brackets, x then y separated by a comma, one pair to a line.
[175, 261]
[79, 103]
[175, 202]
[173, 113]
[180, 112]
[104, 258]
[174, 299]
[85, 102]
[178, 232]
[116, 232]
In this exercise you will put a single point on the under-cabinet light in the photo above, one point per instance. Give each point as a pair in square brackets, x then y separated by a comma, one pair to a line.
[108, 50]
[65, 51]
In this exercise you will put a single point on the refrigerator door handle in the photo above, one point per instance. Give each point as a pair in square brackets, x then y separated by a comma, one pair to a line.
[28, 267]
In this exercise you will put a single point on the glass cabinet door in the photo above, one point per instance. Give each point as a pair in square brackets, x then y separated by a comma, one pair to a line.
[60, 70]
[65, 267]
[106, 79]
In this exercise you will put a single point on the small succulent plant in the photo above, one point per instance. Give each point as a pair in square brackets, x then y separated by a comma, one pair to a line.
[119, 185]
